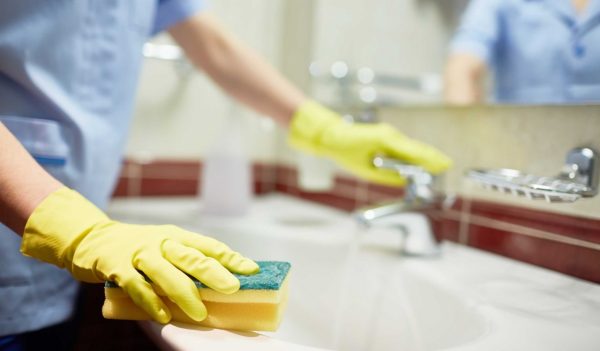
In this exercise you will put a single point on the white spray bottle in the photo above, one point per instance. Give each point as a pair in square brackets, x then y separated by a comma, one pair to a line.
[226, 185]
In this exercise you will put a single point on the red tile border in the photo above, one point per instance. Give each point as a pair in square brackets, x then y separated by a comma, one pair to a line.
[387, 191]
[572, 260]
[122, 188]
[329, 199]
[560, 242]
[168, 187]
[572, 226]
[334, 197]
[162, 169]
[346, 181]
[178, 178]
[261, 187]
[285, 175]
[444, 228]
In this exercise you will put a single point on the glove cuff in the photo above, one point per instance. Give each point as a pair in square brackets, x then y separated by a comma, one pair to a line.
[57, 225]
[308, 124]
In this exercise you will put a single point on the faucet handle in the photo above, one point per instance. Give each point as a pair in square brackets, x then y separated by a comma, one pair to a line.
[421, 188]
[419, 181]
[410, 172]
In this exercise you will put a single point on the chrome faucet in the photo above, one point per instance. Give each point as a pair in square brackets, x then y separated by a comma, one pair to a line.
[416, 229]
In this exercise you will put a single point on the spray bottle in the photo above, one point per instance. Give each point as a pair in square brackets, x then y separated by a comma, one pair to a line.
[226, 185]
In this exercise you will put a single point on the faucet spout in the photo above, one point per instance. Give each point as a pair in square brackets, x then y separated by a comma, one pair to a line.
[418, 236]
[367, 215]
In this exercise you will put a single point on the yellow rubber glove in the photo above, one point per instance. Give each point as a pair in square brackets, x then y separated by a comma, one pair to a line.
[320, 131]
[70, 232]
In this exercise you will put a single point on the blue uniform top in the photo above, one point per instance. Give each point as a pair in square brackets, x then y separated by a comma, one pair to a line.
[68, 73]
[540, 51]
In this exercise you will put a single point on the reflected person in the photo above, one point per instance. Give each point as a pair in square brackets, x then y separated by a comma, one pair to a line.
[539, 51]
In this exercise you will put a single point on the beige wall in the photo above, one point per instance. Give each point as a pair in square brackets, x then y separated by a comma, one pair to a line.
[406, 37]
[181, 115]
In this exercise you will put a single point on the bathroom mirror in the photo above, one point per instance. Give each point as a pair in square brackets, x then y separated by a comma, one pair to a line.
[392, 52]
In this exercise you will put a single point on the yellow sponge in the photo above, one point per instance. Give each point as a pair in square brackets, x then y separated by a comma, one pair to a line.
[258, 305]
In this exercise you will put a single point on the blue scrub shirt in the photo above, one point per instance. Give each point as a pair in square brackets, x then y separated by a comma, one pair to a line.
[540, 51]
[68, 74]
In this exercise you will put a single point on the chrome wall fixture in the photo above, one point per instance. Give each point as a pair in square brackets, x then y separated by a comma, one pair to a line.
[578, 179]
[365, 85]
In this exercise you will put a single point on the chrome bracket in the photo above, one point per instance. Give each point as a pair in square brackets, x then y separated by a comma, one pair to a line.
[578, 179]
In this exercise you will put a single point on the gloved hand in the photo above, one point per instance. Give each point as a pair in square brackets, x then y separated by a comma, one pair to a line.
[70, 232]
[320, 131]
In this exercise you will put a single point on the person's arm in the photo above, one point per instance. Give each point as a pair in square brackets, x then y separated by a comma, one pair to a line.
[464, 79]
[235, 67]
[23, 183]
[59, 226]
[312, 128]
[472, 51]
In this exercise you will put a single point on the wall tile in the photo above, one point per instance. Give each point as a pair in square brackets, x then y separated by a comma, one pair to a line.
[445, 228]
[164, 169]
[121, 189]
[571, 226]
[568, 259]
[169, 187]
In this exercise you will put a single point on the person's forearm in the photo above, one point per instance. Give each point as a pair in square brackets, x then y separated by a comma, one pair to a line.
[464, 80]
[23, 183]
[236, 68]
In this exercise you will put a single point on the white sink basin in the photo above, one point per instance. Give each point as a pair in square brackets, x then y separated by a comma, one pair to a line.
[351, 290]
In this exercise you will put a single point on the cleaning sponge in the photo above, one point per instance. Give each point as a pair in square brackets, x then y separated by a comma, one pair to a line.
[258, 305]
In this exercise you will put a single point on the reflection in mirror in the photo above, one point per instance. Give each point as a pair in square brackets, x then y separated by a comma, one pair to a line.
[456, 51]
[381, 52]
[539, 52]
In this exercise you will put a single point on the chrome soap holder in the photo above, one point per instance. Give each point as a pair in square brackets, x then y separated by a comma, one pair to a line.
[578, 179]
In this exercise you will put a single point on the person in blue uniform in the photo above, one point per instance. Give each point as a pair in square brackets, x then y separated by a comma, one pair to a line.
[68, 73]
[538, 51]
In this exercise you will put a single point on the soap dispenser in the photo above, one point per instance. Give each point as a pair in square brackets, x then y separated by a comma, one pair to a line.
[226, 184]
